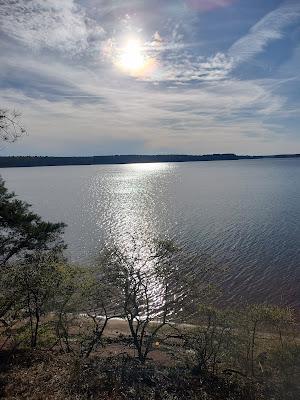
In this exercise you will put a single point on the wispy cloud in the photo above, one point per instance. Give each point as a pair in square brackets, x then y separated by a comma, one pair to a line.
[60, 25]
[269, 28]
[188, 69]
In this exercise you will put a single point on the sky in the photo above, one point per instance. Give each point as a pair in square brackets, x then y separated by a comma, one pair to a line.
[96, 77]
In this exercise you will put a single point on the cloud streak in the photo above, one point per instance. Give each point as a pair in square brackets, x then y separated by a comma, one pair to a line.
[268, 29]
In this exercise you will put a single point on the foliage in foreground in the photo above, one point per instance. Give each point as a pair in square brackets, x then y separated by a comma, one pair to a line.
[65, 312]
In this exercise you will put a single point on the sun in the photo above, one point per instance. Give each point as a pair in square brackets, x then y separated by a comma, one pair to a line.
[132, 58]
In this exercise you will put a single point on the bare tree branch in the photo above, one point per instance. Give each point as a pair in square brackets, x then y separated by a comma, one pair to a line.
[10, 126]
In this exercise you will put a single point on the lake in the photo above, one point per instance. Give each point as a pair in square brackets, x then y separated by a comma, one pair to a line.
[243, 214]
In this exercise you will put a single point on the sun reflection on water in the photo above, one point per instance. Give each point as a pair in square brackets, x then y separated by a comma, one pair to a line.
[148, 167]
[129, 208]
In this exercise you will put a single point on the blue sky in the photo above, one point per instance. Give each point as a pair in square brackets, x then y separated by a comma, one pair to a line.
[152, 76]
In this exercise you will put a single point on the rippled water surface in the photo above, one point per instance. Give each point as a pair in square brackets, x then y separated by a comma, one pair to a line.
[244, 214]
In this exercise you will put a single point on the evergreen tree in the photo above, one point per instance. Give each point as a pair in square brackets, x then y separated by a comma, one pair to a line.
[22, 232]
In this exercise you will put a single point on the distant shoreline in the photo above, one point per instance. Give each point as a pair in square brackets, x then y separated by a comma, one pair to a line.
[41, 161]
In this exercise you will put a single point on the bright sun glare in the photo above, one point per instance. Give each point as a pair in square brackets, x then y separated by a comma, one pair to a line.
[132, 58]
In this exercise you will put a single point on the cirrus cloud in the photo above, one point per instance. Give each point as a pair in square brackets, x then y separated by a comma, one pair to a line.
[54, 24]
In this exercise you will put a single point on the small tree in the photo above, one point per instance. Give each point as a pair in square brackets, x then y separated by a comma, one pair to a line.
[38, 281]
[257, 318]
[211, 343]
[82, 293]
[98, 302]
[30, 291]
[68, 302]
[151, 286]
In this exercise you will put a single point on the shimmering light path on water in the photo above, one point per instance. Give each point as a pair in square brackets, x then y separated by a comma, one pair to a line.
[244, 214]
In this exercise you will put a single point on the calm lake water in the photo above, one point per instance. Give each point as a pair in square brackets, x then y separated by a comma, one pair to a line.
[244, 214]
